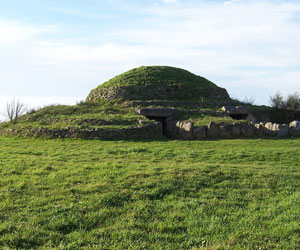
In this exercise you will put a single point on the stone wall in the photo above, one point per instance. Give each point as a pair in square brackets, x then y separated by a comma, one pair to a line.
[143, 132]
[187, 130]
[184, 130]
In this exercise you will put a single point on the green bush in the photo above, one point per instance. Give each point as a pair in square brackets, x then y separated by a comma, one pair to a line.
[292, 101]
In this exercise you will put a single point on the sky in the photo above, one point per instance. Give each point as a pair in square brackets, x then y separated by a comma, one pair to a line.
[56, 51]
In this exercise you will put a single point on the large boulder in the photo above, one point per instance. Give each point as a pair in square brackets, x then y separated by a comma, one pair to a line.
[225, 131]
[185, 129]
[295, 128]
[200, 132]
[247, 130]
[170, 129]
[156, 112]
[213, 130]
[268, 130]
[238, 113]
[259, 129]
[236, 129]
[281, 130]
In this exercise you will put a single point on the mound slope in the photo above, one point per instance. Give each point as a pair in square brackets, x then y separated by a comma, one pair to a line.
[158, 83]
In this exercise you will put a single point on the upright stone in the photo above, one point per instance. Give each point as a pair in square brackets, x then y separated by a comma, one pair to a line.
[275, 127]
[200, 132]
[247, 130]
[295, 128]
[225, 131]
[268, 130]
[259, 129]
[171, 129]
[282, 130]
[185, 129]
[236, 129]
[213, 130]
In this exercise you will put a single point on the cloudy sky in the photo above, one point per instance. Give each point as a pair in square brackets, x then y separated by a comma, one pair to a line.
[57, 51]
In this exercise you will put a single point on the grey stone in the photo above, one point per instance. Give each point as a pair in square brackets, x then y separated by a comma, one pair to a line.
[185, 129]
[171, 130]
[200, 132]
[236, 129]
[282, 130]
[275, 127]
[259, 129]
[247, 130]
[269, 125]
[213, 130]
[238, 113]
[294, 128]
[295, 124]
[268, 130]
[156, 112]
[225, 131]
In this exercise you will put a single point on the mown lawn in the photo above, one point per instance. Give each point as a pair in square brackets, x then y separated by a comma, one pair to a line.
[76, 194]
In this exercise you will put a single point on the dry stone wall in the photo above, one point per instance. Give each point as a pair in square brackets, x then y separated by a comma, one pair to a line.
[187, 130]
[173, 129]
[146, 131]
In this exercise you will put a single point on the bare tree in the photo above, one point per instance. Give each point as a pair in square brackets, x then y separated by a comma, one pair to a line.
[14, 109]
[249, 101]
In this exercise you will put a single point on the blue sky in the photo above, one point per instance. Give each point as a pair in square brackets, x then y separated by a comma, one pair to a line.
[57, 51]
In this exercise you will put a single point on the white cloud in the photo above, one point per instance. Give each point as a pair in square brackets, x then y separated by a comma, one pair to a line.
[247, 47]
[170, 1]
[15, 32]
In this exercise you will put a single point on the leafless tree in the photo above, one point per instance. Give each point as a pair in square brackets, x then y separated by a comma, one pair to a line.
[14, 109]
[249, 100]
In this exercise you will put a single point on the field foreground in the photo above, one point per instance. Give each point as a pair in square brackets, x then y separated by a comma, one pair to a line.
[76, 194]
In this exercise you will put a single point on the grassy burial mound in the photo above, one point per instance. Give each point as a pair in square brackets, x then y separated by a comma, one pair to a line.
[116, 110]
[109, 111]
[158, 83]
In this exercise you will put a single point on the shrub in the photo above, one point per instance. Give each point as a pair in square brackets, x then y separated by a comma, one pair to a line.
[292, 102]
[277, 101]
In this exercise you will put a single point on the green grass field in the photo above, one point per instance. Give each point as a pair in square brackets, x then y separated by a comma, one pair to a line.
[76, 194]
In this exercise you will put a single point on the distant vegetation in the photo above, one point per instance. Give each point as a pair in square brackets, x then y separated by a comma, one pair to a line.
[14, 109]
[291, 102]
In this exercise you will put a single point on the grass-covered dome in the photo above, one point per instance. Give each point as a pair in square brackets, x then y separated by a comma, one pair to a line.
[157, 83]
